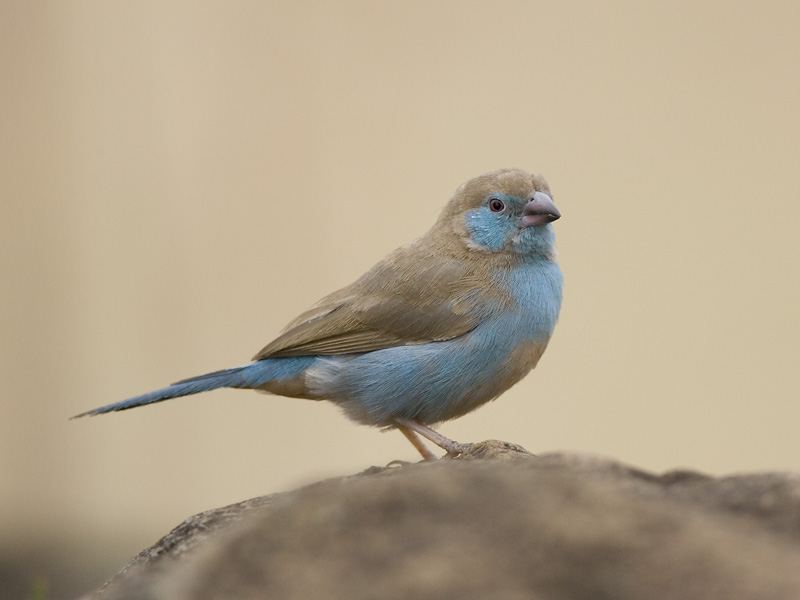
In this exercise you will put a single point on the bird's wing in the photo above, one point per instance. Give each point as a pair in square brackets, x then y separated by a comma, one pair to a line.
[409, 298]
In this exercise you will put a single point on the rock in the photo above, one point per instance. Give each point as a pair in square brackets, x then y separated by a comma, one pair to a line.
[496, 523]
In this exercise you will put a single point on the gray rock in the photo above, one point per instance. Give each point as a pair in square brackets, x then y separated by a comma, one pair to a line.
[496, 523]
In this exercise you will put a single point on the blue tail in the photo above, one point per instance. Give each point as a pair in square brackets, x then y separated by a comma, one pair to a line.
[247, 376]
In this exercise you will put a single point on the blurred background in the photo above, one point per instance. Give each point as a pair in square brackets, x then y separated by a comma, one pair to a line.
[179, 179]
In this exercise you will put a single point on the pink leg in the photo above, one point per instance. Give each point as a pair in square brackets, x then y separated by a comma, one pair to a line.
[426, 452]
[452, 448]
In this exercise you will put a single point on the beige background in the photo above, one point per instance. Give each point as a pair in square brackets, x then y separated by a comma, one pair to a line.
[179, 179]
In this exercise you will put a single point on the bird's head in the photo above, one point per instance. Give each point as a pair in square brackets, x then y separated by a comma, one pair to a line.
[507, 211]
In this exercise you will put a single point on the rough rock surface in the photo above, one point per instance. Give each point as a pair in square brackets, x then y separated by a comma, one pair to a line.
[496, 523]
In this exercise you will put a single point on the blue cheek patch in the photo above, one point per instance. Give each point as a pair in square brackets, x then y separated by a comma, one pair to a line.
[484, 228]
[491, 230]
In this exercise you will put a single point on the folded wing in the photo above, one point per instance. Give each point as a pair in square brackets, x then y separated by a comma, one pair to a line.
[401, 300]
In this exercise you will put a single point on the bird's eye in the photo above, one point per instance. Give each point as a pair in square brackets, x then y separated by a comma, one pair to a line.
[496, 205]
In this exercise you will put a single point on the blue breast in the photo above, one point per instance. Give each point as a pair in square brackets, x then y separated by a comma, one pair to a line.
[438, 381]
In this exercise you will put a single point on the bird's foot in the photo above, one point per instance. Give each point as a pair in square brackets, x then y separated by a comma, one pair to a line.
[457, 449]
[413, 429]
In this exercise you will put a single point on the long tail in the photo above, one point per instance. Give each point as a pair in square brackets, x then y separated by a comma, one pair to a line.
[247, 376]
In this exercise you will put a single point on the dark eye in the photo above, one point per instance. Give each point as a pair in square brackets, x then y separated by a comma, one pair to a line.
[496, 205]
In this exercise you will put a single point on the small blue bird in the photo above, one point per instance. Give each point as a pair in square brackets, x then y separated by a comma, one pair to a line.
[437, 328]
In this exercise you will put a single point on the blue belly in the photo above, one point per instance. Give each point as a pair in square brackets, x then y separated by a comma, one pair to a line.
[438, 381]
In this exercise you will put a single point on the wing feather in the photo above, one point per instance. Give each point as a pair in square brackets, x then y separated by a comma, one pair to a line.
[413, 296]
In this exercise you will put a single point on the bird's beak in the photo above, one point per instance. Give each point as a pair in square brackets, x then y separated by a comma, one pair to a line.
[540, 210]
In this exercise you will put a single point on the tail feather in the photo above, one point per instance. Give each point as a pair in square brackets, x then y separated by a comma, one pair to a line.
[237, 377]
[254, 375]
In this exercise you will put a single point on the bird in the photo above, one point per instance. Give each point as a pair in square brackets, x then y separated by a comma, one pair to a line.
[436, 329]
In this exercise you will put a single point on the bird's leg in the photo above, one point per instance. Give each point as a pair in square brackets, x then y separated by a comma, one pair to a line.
[414, 438]
[410, 426]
